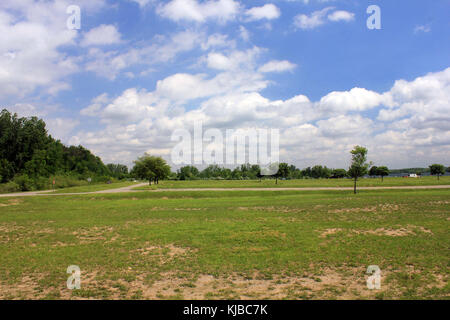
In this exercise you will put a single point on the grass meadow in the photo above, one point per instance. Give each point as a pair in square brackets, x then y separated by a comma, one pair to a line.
[227, 244]
[300, 183]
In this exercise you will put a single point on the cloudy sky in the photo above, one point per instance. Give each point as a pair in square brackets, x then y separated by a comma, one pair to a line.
[136, 70]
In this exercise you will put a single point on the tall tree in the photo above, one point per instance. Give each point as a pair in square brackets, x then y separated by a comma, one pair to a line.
[382, 171]
[151, 168]
[373, 172]
[437, 169]
[359, 165]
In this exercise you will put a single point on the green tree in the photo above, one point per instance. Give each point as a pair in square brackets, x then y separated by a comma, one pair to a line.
[283, 171]
[187, 173]
[306, 172]
[236, 174]
[383, 171]
[338, 173]
[373, 172]
[119, 171]
[358, 166]
[6, 170]
[320, 172]
[151, 168]
[437, 169]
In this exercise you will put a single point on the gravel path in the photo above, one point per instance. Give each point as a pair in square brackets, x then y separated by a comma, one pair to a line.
[130, 189]
[50, 192]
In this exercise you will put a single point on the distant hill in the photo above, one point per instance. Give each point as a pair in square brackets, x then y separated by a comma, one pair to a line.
[409, 170]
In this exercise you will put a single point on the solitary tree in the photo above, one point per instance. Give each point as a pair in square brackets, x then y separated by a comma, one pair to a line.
[358, 166]
[382, 171]
[437, 169]
[151, 168]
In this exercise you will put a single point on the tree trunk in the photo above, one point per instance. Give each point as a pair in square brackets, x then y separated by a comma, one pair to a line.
[438, 177]
[354, 187]
[382, 177]
[276, 180]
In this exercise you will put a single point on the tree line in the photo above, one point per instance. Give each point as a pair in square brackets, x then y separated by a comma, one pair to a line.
[32, 159]
[154, 169]
[253, 171]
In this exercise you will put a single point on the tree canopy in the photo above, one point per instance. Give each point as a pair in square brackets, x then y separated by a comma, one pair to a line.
[437, 170]
[151, 168]
[26, 149]
[359, 166]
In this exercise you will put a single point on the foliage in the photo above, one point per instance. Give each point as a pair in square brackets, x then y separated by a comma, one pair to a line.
[437, 170]
[118, 171]
[359, 166]
[382, 171]
[151, 168]
[29, 156]
[338, 173]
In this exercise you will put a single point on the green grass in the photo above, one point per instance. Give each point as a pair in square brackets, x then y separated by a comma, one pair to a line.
[300, 183]
[211, 244]
[94, 187]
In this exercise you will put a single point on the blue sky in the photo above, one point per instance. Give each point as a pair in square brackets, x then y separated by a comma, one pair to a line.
[137, 70]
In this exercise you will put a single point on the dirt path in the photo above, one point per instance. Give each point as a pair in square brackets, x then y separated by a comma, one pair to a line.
[130, 189]
[49, 192]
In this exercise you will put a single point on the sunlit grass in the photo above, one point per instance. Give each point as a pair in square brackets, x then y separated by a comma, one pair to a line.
[301, 183]
[125, 243]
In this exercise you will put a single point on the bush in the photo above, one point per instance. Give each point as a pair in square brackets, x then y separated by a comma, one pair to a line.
[42, 183]
[9, 187]
[24, 182]
[63, 181]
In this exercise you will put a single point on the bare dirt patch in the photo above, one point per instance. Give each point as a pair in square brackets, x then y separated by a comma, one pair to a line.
[326, 283]
[401, 232]
[409, 230]
[164, 253]
[271, 209]
[380, 207]
[330, 284]
[11, 202]
[439, 202]
[86, 235]
[330, 231]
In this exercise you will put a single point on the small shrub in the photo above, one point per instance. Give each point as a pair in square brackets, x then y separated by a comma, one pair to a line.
[24, 182]
[9, 187]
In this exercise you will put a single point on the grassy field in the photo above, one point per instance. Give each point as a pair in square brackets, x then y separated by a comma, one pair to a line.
[300, 183]
[243, 245]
